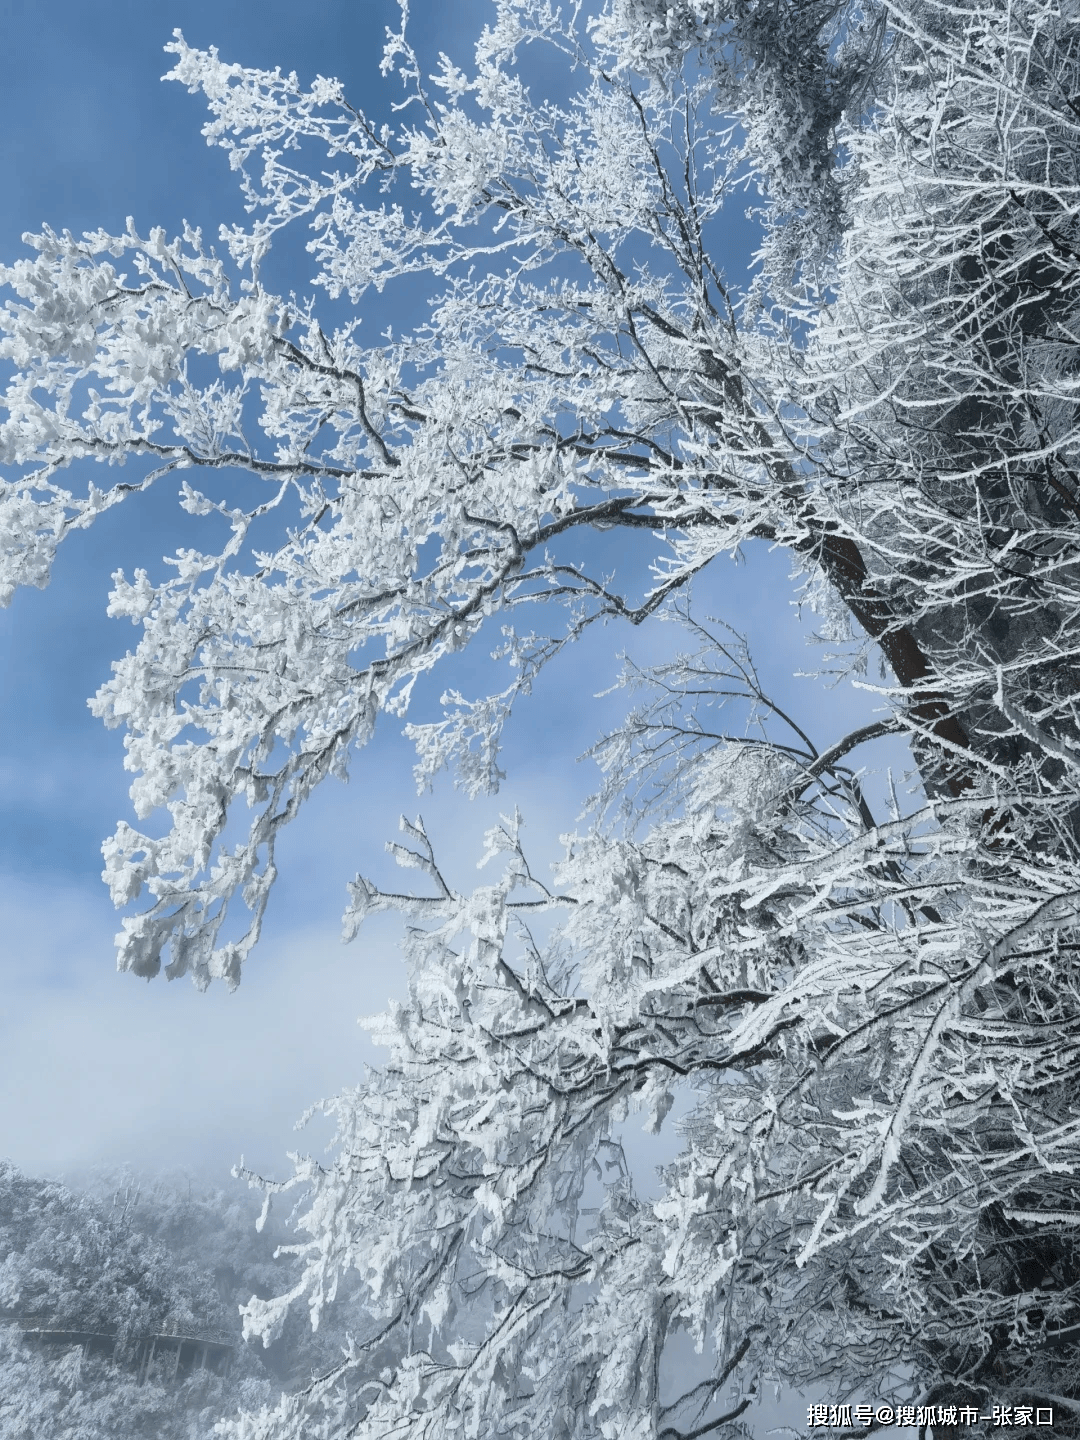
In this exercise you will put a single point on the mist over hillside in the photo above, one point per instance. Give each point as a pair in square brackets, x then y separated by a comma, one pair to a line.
[120, 1301]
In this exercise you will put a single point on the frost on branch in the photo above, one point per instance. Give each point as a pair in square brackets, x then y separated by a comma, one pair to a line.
[826, 995]
[863, 993]
[412, 488]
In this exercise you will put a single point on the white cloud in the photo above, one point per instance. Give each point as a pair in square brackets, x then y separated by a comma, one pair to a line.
[100, 1068]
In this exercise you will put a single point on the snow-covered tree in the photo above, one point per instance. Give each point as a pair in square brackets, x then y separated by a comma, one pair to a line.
[212, 1233]
[82, 1298]
[871, 992]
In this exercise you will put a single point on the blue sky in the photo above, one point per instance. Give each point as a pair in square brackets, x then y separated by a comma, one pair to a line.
[101, 1068]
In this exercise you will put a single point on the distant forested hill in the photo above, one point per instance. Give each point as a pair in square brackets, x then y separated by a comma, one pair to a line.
[107, 1333]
